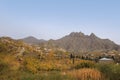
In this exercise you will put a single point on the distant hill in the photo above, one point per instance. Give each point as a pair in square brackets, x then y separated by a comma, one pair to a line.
[78, 42]
[32, 40]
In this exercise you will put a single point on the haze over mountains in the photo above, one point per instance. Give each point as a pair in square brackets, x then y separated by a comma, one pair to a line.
[77, 42]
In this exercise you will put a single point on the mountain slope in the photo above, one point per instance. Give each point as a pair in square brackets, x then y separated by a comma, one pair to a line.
[78, 42]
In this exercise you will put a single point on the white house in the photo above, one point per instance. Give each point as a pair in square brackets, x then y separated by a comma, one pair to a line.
[106, 60]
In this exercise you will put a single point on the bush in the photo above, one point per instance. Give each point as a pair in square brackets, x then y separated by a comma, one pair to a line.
[31, 64]
[111, 71]
[3, 67]
[85, 64]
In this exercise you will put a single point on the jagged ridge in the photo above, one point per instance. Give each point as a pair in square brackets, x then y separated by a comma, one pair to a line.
[78, 42]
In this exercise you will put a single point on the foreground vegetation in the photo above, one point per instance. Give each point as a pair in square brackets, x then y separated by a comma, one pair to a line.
[32, 68]
[19, 61]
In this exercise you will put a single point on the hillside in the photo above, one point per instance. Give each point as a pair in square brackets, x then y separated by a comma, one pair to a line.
[17, 48]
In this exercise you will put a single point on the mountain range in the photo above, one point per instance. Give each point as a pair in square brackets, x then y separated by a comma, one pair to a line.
[77, 42]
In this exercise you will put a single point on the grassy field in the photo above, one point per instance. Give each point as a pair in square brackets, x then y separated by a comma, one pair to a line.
[31, 68]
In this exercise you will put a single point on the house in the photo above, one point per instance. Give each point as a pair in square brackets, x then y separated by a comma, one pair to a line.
[106, 60]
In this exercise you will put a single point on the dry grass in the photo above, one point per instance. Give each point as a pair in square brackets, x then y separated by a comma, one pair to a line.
[86, 74]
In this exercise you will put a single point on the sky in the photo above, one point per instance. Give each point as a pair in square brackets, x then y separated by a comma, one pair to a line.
[53, 19]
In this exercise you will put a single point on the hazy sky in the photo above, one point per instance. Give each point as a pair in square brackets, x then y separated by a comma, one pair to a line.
[45, 19]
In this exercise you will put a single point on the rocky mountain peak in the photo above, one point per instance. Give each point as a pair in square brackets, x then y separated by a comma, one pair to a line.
[76, 34]
[92, 35]
[78, 42]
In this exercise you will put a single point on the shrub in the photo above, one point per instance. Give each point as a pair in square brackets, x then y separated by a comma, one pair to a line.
[3, 67]
[85, 64]
[111, 71]
[31, 64]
